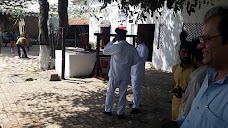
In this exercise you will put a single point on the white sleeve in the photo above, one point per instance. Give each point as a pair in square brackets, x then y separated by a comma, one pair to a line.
[111, 49]
[144, 54]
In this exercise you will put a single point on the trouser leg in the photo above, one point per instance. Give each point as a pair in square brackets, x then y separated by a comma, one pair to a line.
[18, 50]
[112, 85]
[136, 88]
[23, 48]
[6, 43]
[122, 96]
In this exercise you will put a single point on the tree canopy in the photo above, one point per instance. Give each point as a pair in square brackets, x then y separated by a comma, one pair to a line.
[151, 6]
[17, 7]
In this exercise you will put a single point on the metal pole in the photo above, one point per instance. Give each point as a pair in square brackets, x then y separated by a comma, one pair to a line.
[63, 54]
[52, 43]
[0, 44]
[75, 37]
[1, 40]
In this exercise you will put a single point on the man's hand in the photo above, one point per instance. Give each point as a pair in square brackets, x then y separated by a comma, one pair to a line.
[178, 92]
[114, 40]
[166, 123]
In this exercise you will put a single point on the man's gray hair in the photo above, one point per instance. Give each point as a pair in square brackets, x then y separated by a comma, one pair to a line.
[215, 11]
[222, 13]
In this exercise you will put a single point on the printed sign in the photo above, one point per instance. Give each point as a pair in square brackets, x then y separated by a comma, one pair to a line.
[122, 20]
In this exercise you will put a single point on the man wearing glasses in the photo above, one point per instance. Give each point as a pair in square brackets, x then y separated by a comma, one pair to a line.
[210, 107]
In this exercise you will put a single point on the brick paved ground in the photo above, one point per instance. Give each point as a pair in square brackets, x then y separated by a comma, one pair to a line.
[29, 100]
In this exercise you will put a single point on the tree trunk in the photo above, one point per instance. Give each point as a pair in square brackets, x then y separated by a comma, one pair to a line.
[63, 21]
[44, 55]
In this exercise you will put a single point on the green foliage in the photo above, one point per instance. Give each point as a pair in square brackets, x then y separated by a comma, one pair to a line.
[17, 3]
[17, 7]
[13, 20]
[151, 6]
[14, 9]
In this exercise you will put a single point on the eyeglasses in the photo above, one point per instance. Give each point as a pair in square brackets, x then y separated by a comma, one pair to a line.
[203, 39]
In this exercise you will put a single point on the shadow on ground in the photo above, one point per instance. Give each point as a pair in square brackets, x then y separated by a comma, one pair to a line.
[85, 108]
[6, 51]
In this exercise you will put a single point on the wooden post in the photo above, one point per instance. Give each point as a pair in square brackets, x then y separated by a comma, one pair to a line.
[75, 37]
[63, 54]
[97, 71]
[0, 44]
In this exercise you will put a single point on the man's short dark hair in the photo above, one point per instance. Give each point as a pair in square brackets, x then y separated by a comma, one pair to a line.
[121, 33]
[140, 35]
[222, 12]
[186, 45]
[197, 53]
[183, 33]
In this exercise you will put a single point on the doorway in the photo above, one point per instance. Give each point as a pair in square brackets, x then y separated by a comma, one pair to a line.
[148, 31]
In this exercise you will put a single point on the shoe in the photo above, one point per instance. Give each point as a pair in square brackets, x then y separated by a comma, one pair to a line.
[134, 111]
[107, 113]
[131, 104]
[121, 116]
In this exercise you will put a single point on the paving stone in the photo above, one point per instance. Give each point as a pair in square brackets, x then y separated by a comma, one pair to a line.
[41, 103]
[5, 120]
[7, 109]
[3, 116]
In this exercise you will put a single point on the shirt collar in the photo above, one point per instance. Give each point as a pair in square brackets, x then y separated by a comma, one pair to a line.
[211, 77]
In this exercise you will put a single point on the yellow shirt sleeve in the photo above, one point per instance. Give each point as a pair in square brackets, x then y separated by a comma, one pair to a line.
[21, 41]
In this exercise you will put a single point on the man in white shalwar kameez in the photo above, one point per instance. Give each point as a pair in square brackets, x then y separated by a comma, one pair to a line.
[123, 56]
[138, 72]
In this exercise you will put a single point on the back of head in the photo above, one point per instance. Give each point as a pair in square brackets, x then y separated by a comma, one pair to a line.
[197, 53]
[140, 38]
[222, 12]
[183, 35]
[121, 33]
[140, 35]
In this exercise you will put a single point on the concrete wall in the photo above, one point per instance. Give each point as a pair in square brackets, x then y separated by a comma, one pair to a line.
[76, 63]
[31, 26]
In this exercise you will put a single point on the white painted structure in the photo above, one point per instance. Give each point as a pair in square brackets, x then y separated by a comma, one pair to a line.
[77, 62]
[164, 57]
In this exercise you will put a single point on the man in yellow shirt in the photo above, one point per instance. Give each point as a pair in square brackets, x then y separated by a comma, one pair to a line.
[181, 74]
[21, 42]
